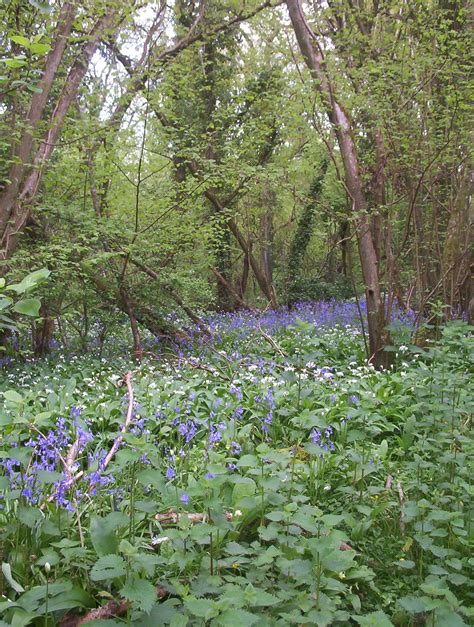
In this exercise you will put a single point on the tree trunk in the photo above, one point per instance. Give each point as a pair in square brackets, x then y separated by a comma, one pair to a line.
[266, 229]
[137, 342]
[341, 124]
[43, 334]
[21, 153]
[16, 204]
[457, 254]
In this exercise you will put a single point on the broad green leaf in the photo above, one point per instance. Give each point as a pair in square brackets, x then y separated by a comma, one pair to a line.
[20, 40]
[40, 49]
[13, 396]
[7, 573]
[108, 567]
[28, 307]
[33, 599]
[29, 516]
[21, 618]
[374, 619]
[237, 618]
[203, 608]
[179, 620]
[30, 281]
[141, 593]
[103, 532]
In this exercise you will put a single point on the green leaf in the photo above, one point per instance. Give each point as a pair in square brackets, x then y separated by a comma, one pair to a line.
[34, 598]
[28, 307]
[448, 618]
[203, 608]
[108, 567]
[21, 618]
[40, 48]
[29, 516]
[413, 605]
[374, 619]
[42, 7]
[243, 489]
[15, 63]
[264, 599]
[13, 396]
[74, 598]
[161, 614]
[237, 618]
[30, 281]
[20, 40]
[103, 532]
[7, 573]
[141, 593]
[179, 620]
[5, 302]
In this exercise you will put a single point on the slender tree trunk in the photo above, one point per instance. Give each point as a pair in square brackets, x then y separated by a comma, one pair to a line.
[266, 229]
[137, 342]
[21, 153]
[457, 254]
[245, 272]
[44, 330]
[340, 121]
[19, 206]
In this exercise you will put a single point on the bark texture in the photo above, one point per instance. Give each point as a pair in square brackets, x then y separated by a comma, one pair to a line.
[341, 124]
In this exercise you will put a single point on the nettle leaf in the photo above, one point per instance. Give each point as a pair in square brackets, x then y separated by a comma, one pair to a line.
[374, 619]
[103, 532]
[203, 608]
[239, 618]
[27, 307]
[141, 593]
[108, 567]
[412, 604]
[29, 516]
[263, 599]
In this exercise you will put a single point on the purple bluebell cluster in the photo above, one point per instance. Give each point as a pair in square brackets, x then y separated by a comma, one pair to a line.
[323, 438]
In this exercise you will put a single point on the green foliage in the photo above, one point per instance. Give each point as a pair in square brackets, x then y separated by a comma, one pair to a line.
[24, 306]
[319, 288]
[328, 495]
[304, 229]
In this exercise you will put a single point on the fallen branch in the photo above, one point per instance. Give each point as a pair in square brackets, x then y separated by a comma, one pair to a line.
[112, 609]
[172, 518]
[272, 343]
[209, 369]
[128, 419]
[74, 448]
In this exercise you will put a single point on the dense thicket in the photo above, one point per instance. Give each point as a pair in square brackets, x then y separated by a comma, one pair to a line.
[228, 154]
